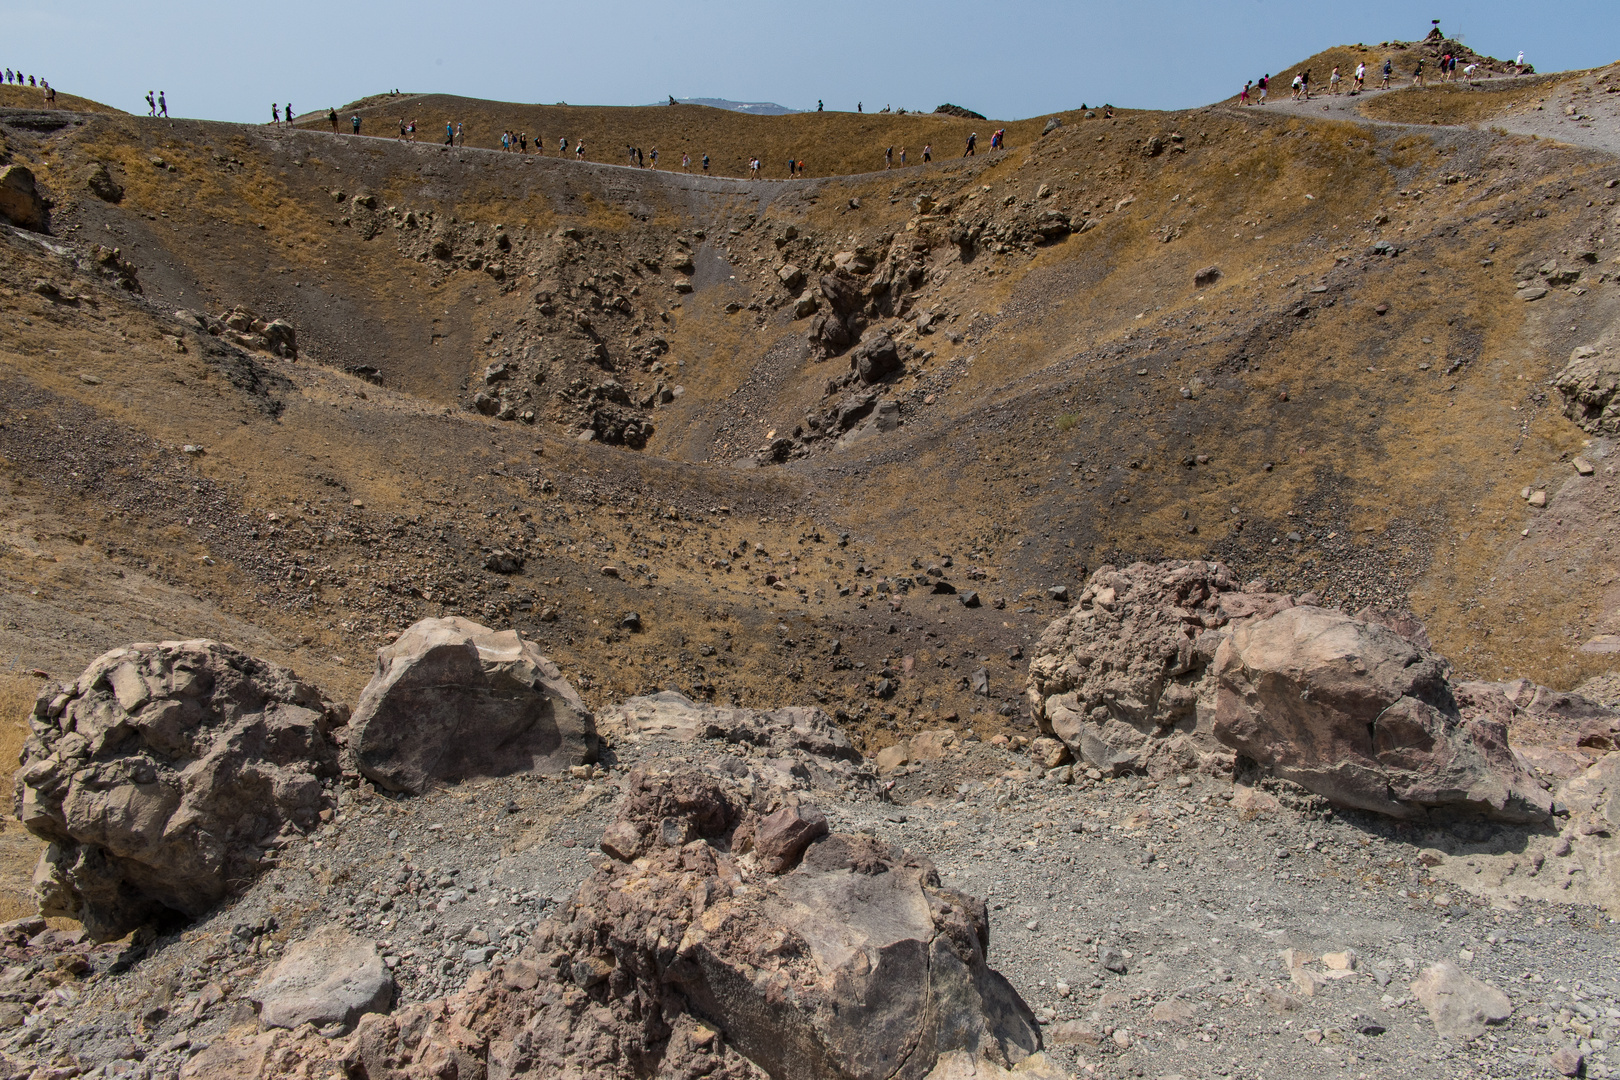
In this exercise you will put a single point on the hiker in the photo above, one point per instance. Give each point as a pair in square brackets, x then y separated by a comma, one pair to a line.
[819, 106]
[1333, 81]
[411, 131]
[288, 113]
[1518, 65]
[1361, 77]
[163, 105]
[402, 129]
[275, 114]
[331, 116]
[686, 162]
[1295, 88]
[888, 158]
[1468, 72]
[902, 157]
[461, 134]
[1417, 73]
[792, 167]
[1243, 95]
[506, 141]
[857, 106]
[801, 166]
[523, 142]
[928, 152]
[579, 150]
[972, 144]
[1389, 69]
[705, 162]
[562, 145]
[355, 120]
[1265, 87]
[151, 104]
[449, 133]
[1305, 84]
[641, 159]
[654, 157]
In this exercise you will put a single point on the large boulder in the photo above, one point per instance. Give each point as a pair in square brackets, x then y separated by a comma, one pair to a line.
[687, 955]
[875, 360]
[164, 775]
[1356, 712]
[20, 200]
[1122, 678]
[453, 700]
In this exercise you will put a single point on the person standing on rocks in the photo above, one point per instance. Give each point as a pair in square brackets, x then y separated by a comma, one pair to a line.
[1518, 65]
[972, 144]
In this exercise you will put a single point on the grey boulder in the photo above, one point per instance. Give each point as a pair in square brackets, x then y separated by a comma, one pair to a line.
[329, 978]
[166, 773]
[453, 700]
[1588, 383]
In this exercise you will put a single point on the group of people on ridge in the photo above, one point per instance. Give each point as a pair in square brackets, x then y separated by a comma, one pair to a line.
[41, 85]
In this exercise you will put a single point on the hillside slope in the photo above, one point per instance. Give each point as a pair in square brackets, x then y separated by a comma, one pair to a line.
[1353, 406]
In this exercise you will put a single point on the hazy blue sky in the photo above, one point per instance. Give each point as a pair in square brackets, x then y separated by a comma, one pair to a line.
[1005, 58]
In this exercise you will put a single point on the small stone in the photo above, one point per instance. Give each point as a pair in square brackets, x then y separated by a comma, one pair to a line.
[1112, 959]
[1567, 1062]
[1340, 961]
[1538, 499]
[1074, 1033]
[1584, 467]
[1460, 1005]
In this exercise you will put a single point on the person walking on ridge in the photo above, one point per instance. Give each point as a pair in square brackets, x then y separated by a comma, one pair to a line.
[275, 114]
[1361, 78]
[579, 150]
[331, 118]
[1389, 69]
[972, 145]
[163, 105]
[449, 133]
[928, 152]
[151, 102]
[1265, 86]
[705, 162]
[888, 158]
[288, 113]
[1243, 95]
[1333, 81]
[902, 157]
[686, 162]
[1417, 73]
[355, 121]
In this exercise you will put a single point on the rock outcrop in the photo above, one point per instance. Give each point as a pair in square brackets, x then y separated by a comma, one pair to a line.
[452, 700]
[1588, 384]
[694, 953]
[20, 200]
[247, 329]
[164, 775]
[1170, 667]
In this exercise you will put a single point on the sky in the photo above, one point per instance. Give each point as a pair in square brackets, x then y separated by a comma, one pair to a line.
[1008, 59]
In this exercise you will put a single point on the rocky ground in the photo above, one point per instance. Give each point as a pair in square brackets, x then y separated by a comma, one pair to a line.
[1195, 930]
